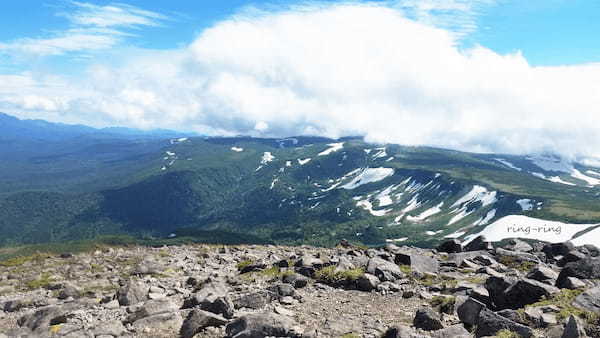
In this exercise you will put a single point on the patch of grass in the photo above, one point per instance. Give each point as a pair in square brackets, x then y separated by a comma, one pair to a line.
[350, 335]
[405, 269]
[430, 280]
[54, 329]
[42, 282]
[243, 264]
[329, 274]
[476, 280]
[563, 301]
[507, 334]
[20, 260]
[444, 303]
[514, 263]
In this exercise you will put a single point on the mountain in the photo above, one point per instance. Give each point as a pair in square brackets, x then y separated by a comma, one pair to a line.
[294, 190]
[12, 128]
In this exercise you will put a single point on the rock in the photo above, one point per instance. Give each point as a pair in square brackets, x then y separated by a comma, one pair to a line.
[573, 283]
[198, 320]
[132, 293]
[297, 280]
[367, 282]
[450, 246]
[543, 274]
[557, 249]
[402, 331]
[384, 270]
[282, 290]
[255, 300]
[212, 297]
[468, 311]
[147, 268]
[591, 250]
[47, 316]
[427, 319]
[489, 323]
[589, 300]
[527, 291]
[478, 243]
[113, 328]
[588, 268]
[17, 304]
[418, 262]
[161, 325]
[496, 287]
[538, 317]
[69, 290]
[283, 311]
[573, 329]
[255, 266]
[571, 256]
[262, 325]
[454, 331]
[152, 307]
[518, 245]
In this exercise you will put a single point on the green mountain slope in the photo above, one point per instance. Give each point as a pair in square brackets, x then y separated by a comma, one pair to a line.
[293, 190]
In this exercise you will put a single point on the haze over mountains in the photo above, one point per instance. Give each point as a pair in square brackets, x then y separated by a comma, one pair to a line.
[64, 182]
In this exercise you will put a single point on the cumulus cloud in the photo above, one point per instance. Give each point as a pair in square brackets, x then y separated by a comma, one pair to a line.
[336, 71]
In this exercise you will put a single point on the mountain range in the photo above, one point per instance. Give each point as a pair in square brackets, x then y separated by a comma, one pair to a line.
[68, 182]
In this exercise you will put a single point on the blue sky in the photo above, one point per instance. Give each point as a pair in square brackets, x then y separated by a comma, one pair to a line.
[507, 76]
[547, 32]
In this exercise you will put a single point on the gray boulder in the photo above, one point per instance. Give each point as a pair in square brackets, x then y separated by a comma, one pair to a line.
[384, 270]
[132, 293]
[198, 320]
[489, 323]
[588, 268]
[573, 329]
[427, 319]
[589, 300]
[262, 325]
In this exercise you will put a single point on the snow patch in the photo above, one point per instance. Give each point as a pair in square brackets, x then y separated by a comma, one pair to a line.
[369, 175]
[488, 217]
[402, 239]
[456, 234]
[267, 157]
[526, 204]
[519, 226]
[369, 207]
[303, 161]
[580, 176]
[590, 237]
[557, 179]
[595, 173]
[333, 148]
[508, 164]
[478, 193]
[427, 213]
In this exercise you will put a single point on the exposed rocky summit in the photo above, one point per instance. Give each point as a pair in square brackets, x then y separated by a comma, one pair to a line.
[517, 290]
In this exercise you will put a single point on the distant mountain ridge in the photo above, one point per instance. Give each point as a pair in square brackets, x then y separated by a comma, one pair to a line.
[12, 128]
[292, 190]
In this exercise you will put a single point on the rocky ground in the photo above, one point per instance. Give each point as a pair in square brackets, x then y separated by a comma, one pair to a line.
[517, 290]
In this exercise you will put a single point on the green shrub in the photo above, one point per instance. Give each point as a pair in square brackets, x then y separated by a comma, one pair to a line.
[507, 334]
[42, 282]
[329, 274]
[241, 265]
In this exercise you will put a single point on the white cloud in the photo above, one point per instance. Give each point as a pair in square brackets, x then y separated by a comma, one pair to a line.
[112, 15]
[92, 28]
[336, 71]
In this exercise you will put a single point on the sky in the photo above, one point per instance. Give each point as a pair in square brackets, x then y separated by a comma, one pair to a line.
[505, 76]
